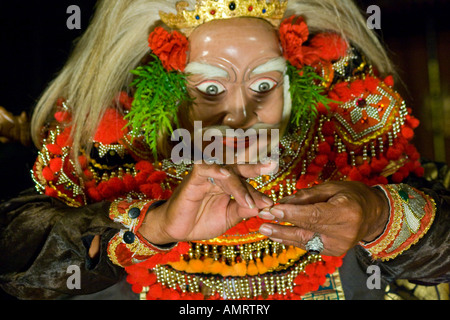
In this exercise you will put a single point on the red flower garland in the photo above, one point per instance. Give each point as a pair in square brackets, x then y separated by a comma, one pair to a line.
[171, 48]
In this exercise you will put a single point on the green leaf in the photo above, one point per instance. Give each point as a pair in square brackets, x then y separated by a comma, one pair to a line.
[157, 98]
[306, 94]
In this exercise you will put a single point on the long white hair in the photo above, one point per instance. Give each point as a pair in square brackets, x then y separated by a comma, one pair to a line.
[116, 42]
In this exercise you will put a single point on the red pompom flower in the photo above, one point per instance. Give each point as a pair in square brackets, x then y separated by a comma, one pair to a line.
[293, 34]
[300, 51]
[170, 47]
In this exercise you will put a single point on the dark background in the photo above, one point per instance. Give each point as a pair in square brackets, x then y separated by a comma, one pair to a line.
[35, 43]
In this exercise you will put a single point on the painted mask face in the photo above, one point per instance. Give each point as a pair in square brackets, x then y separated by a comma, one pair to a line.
[236, 77]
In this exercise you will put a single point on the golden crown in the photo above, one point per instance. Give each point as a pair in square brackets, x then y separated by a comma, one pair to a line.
[207, 10]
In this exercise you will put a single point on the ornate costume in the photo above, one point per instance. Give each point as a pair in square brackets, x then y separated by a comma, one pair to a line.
[360, 132]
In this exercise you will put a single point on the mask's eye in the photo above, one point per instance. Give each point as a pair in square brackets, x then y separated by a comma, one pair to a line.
[263, 85]
[211, 88]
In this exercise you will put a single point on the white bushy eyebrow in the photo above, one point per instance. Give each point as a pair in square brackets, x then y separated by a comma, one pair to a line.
[206, 70]
[276, 64]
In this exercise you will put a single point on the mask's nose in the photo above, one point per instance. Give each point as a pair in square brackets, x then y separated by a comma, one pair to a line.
[239, 110]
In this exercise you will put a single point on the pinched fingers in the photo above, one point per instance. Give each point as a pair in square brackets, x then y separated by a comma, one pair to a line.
[287, 235]
[230, 183]
[317, 217]
[254, 170]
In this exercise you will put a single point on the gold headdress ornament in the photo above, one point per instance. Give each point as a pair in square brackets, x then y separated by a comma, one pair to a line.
[208, 10]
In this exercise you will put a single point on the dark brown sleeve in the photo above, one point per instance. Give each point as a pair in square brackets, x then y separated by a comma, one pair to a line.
[41, 237]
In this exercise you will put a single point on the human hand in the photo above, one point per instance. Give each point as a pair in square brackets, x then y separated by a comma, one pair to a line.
[201, 208]
[342, 212]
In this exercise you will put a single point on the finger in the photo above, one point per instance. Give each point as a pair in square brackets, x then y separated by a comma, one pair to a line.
[255, 170]
[319, 193]
[236, 213]
[316, 217]
[261, 200]
[287, 235]
[228, 182]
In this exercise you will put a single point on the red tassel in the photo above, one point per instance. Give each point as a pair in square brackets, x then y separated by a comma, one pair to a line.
[48, 174]
[94, 194]
[382, 180]
[371, 84]
[357, 87]
[412, 122]
[355, 175]
[63, 116]
[54, 148]
[63, 139]
[157, 177]
[105, 191]
[140, 178]
[341, 159]
[51, 192]
[130, 184]
[378, 164]
[146, 189]
[393, 153]
[321, 160]
[156, 191]
[310, 269]
[110, 129]
[144, 166]
[407, 133]
[329, 46]
[419, 171]
[342, 91]
[365, 169]
[155, 291]
[328, 128]
[329, 140]
[116, 186]
[324, 148]
[312, 168]
[389, 81]
[322, 109]
[55, 164]
[397, 177]
[136, 288]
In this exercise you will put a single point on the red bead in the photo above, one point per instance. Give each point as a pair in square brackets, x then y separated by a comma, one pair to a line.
[213, 12]
[250, 8]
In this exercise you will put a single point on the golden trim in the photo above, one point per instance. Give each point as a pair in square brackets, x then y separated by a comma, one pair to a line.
[208, 10]
[420, 236]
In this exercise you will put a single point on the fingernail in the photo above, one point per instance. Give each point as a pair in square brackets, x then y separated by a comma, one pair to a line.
[266, 215]
[249, 200]
[276, 240]
[269, 168]
[267, 200]
[286, 199]
[225, 172]
[277, 213]
[265, 230]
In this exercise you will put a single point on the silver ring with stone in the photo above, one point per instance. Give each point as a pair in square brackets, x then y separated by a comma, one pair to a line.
[315, 245]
